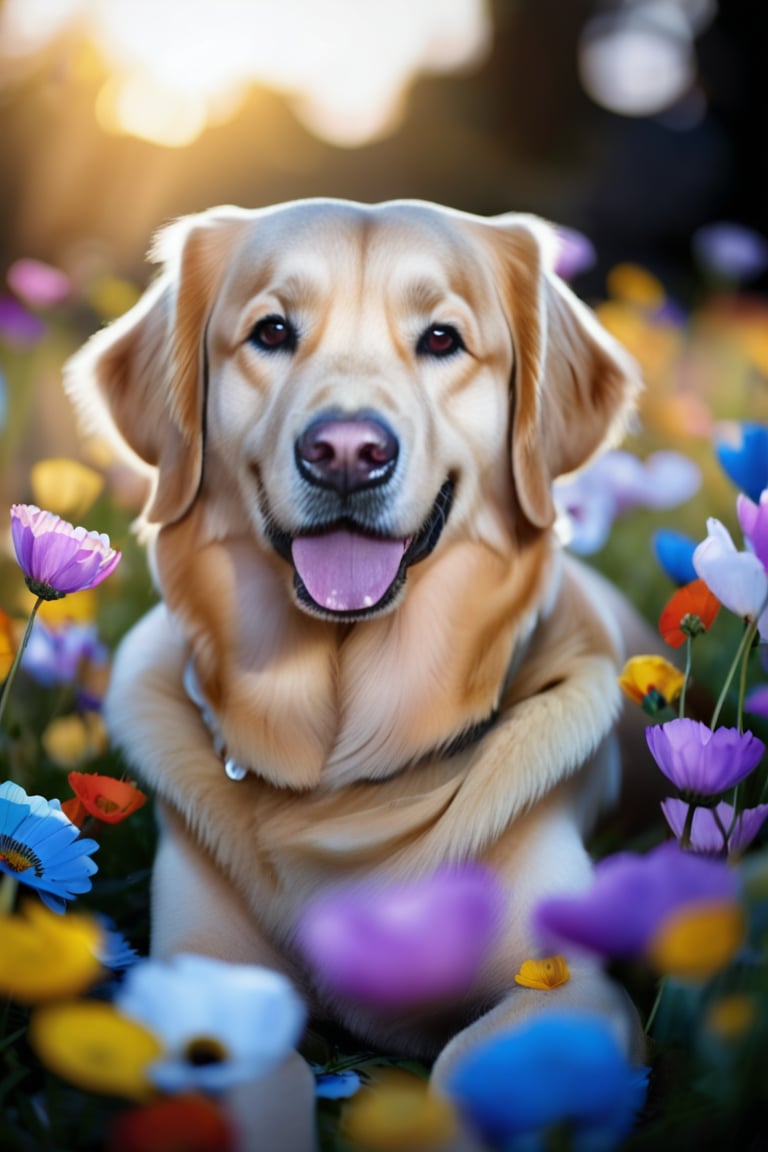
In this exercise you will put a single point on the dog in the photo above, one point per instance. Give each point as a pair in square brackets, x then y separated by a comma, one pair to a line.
[371, 656]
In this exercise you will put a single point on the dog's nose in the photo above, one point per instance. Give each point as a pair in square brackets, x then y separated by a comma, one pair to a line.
[347, 453]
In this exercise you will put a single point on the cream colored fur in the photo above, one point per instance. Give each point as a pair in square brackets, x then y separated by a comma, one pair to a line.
[342, 723]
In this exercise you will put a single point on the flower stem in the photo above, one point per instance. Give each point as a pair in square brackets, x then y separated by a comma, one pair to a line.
[18, 657]
[655, 1007]
[742, 653]
[9, 886]
[685, 836]
[688, 662]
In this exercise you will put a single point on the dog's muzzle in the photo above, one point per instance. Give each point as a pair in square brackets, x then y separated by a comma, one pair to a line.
[346, 571]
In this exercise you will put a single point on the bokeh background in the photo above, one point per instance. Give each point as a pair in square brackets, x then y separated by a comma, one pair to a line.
[640, 124]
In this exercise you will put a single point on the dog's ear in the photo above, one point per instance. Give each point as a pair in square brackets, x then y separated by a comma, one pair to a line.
[573, 385]
[143, 376]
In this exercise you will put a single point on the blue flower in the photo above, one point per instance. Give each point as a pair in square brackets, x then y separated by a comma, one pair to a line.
[554, 1069]
[747, 463]
[336, 1085]
[41, 847]
[674, 552]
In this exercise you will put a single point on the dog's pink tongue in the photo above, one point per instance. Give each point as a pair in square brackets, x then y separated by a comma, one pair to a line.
[345, 572]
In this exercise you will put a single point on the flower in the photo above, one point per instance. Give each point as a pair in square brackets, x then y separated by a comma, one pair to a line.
[92, 1045]
[738, 579]
[7, 645]
[185, 1123]
[543, 974]
[700, 761]
[336, 1085]
[66, 487]
[32, 938]
[40, 846]
[105, 798]
[630, 896]
[652, 682]
[70, 741]
[674, 552]
[399, 1113]
[746, 462]
[407, 943]
[554, 1069]
[731, 250]
[689, 612]
[709, 825]
[757, 701]
[753, 519]
[56, 655]
[18, 326]
[220, 1023]
[37, 283]
[55, 557]
[615, 483]
[575, 252]
[696, 943]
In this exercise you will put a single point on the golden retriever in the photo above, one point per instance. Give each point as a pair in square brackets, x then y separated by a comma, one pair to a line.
[371, 656]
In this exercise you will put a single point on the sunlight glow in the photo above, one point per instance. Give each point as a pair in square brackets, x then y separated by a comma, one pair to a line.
[177, 66]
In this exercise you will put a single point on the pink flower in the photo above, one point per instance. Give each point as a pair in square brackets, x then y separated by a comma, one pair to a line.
[406, 944]
[55, 557]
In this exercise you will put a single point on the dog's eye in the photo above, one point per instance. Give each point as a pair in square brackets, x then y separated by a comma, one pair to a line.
[274, 334]
[439, 340]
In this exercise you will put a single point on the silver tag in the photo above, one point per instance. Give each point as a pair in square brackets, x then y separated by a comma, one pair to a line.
[234, 770]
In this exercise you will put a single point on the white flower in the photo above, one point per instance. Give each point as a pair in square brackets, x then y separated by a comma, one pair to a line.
[220, 1023]
[737, 579]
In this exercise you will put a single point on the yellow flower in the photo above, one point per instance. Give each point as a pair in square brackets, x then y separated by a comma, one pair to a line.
[730, 1017]
[72, 740]
[543, 974]
[65, 487]
[698, 941]
[33, 940]
[91, 1045]
[7, 645]
[80, 609]
[635, 285]
[399, 1113]
[651, 681]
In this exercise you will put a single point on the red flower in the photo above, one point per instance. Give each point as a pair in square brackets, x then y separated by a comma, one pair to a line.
[691, 610]
[185, 1123]
[103, 797]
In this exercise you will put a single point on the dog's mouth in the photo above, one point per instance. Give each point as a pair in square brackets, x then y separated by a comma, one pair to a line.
[348, 572]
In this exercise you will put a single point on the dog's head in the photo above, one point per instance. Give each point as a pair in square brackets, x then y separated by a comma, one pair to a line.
[357, 385]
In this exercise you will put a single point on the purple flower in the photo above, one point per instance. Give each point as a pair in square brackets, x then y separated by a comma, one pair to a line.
[753, 519]
[558, 1069]
[56, 655]
[731, 250]
[18, 327]
[708, 823]
[700, 761]
[745, 462]
[55, 557]
[630, 897]
[674, 552]
[616, 483]
[575, 253]
[757, 701]
[407, 943]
